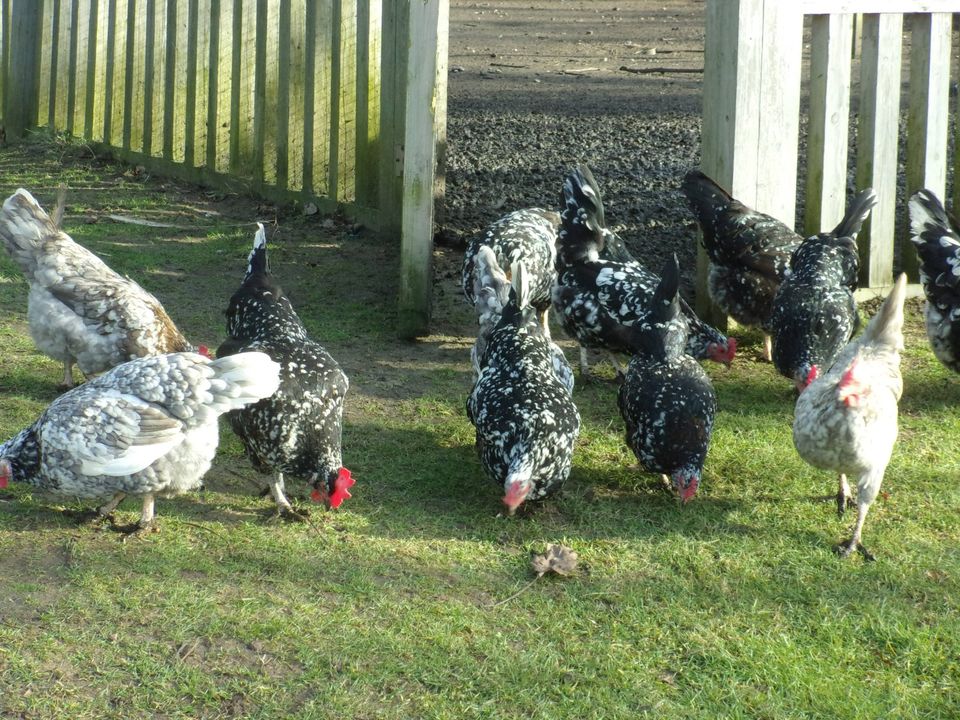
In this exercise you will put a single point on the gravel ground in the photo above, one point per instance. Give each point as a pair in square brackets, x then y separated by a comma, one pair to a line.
[536, 87]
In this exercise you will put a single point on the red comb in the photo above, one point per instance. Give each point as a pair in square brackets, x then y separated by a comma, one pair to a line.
[205, 351]
[340, 493]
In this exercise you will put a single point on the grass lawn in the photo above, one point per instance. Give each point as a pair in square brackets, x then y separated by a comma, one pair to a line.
[734, 606]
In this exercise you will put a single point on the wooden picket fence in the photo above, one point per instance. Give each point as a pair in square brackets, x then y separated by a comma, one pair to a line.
[336, 102]
[751, 110]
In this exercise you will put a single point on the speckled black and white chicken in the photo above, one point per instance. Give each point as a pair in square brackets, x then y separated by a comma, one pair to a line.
[527, 236]
[593, 288]
[814, 311]
[491, 294]
[80, 311]
[749, 252]
[846, 420]
[666, 400]
[525, 419]
[146, 428]
[297, 430]
[938, 244]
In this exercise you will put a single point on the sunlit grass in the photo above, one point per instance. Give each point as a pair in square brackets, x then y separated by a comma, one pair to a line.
[733, 606]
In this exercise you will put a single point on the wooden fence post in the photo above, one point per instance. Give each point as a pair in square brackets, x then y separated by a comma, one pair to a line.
[877, 141]
[928, 113]
[752, 54]
[426, 79]
[21, 87]
[829, 121]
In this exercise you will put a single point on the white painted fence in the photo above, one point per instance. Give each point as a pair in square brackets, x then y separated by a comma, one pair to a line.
[751, 110]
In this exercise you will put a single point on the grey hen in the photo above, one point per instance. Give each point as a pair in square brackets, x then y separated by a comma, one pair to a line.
[846, 420]
[80, 311]
[146, 428]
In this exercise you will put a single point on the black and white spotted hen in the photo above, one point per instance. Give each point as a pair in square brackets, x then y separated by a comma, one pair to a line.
[526, 422]
[667, 400]
[814, 311]
[146, 428]
[491, 294]
[595, 292]
[846, 420]
[937, 240]
[527, 236]
[297, 431]
[749, 252]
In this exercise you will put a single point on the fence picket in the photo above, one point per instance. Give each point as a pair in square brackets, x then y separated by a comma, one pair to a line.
[831, 48]
[294, 99]
[877, 136]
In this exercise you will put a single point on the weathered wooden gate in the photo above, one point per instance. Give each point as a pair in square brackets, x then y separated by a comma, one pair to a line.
[337, 102]
[751, 103]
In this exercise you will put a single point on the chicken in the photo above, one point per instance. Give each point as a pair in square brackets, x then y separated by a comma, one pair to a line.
[814, 311]
[749, 252]
[846, 420]
[593, 288]
[297, 430]
[666, 400]
[937, 240]
[79, 310]
[526, 236]
[525, 419]
[491, 294]
[146, 428]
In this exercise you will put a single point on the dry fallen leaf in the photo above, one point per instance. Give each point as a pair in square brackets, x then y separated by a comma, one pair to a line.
[557, 559]
[668, 676]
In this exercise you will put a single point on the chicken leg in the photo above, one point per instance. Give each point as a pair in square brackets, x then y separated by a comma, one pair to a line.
[844, 549]
[844, 497]
[285, 510]
[146, 523]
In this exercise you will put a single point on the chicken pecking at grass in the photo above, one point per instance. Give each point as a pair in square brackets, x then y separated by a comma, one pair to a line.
[79, 310]
[814, 311]
[297, 430]
[846, 419]
[525, 419]
[667, 400]
[934, 233]
[146, 428]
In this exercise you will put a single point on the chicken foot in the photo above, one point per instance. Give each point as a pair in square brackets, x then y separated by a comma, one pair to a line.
[146, 524]
[285, 510]
[97, 516]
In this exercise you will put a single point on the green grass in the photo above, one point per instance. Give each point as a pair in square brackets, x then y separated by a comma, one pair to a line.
[732, 607]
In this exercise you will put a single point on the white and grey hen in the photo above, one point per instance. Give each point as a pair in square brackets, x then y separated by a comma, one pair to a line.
[667, 400]
[846, 420]
[814, 311]
[600, 285]
[934, 233]
[527, 236]
[146, 428]
[526, 422]
[297, 430]
[80, 311]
